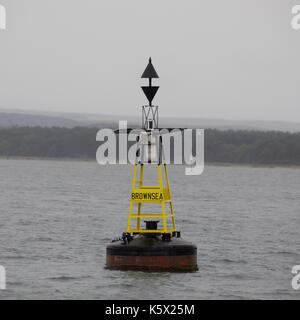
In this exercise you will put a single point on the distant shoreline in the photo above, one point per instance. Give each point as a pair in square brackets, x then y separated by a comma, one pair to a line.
[216, 164]
[243, 148]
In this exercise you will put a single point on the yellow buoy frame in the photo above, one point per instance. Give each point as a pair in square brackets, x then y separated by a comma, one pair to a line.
[143, 195]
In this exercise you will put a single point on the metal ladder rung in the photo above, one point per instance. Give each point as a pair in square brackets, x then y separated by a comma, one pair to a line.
[149, 215]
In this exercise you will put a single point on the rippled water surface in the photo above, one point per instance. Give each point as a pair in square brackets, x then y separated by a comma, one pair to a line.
[56, 217]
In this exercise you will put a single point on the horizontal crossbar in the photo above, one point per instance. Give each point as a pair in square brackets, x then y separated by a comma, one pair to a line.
[150, 201]
[151, 231]
[150, 215]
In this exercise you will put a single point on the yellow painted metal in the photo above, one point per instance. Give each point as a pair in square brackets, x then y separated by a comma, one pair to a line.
[170, 196]
[149, 215]
[142, 195]
[138, 221]
[151, 231]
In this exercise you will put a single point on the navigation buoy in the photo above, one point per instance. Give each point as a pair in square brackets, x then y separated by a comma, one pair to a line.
[157, 245]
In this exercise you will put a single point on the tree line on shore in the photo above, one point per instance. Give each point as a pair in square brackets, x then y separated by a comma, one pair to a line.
[230, 146]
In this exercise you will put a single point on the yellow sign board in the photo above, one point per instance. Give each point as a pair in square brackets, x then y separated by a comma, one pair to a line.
[147, 195]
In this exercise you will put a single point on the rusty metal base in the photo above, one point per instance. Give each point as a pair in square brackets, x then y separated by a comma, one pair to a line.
[152, 254]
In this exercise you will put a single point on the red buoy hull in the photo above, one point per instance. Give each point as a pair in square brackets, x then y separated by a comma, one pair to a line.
[152, 255]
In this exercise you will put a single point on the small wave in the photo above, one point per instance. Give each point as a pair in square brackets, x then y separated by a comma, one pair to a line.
[25, 223]
[62, 278]
[14, 257]
[39, 239]
[231, 297]
[67, 278]
[106, 239]
[62, 257]
[44, 239]
[239, 276]
[288, 253]
[227, 260]
[16, 283]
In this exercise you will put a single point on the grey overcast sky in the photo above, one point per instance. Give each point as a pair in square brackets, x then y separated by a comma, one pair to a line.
[233, 59]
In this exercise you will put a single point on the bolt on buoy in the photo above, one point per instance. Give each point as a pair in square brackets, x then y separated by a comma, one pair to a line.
[156, 246]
